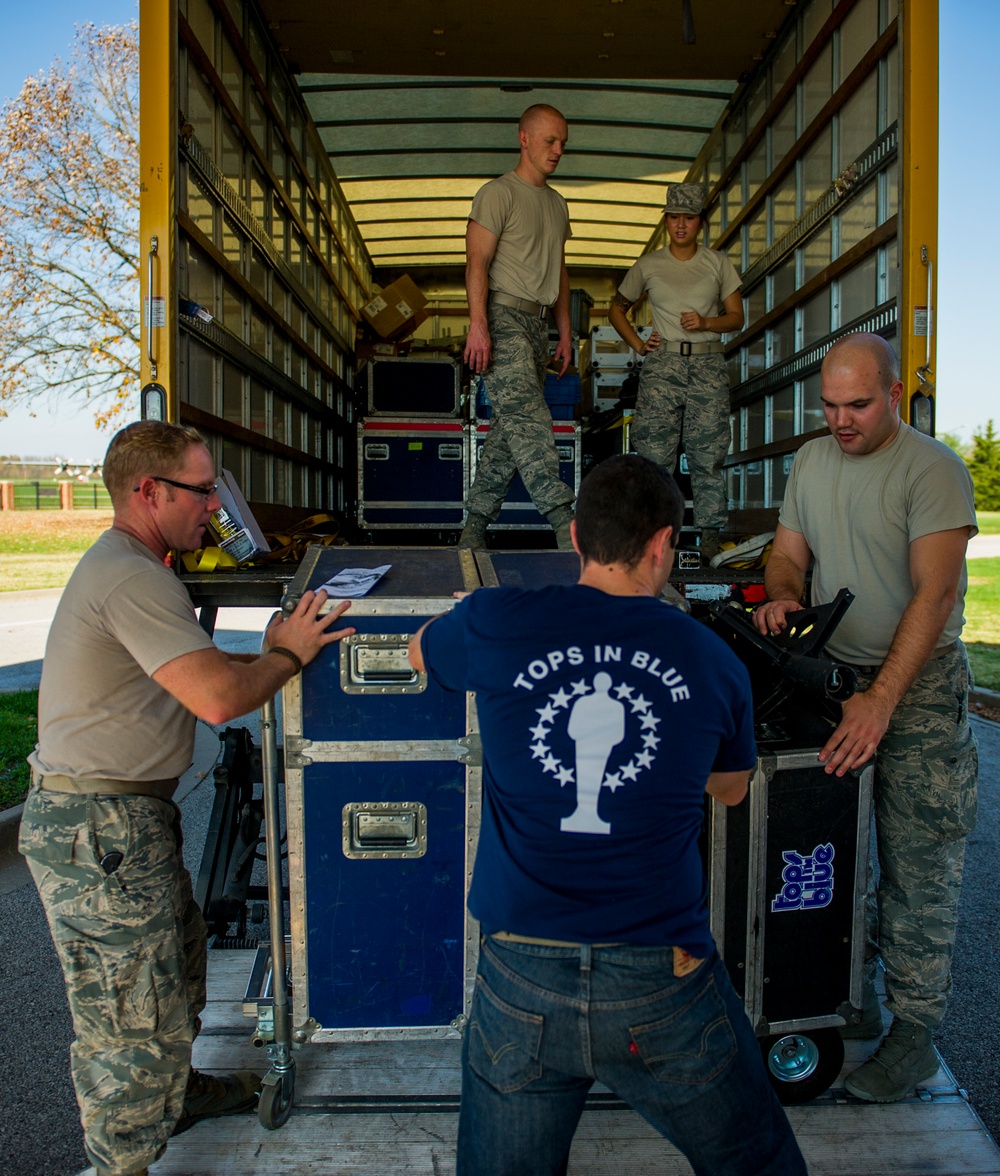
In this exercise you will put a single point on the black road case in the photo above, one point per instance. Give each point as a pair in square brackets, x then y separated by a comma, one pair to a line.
[787, 873]
[413, 387]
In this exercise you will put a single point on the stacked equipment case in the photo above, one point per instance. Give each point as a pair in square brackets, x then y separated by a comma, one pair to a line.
[412, 472]
[612, 363]
[518, 512]
[413, 446]
[382, 782]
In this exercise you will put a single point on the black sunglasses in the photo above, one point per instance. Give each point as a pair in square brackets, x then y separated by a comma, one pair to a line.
[205, 491]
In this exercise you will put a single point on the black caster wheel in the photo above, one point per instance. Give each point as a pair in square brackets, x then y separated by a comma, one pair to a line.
[274, 1105]
[801, 1066]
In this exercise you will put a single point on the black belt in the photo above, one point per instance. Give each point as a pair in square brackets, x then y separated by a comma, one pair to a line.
[522, 304]
[940, 652]
[686, 348]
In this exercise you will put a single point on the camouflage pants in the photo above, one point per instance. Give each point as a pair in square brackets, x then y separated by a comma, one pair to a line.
[686, 397]
[520, 438]
[925, 803]
[132, 949]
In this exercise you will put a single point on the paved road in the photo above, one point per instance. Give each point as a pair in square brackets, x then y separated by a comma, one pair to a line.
[983, 547]
[24, 625]
[25, 618]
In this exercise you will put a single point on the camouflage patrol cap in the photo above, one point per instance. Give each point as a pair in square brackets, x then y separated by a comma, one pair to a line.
[688, 199]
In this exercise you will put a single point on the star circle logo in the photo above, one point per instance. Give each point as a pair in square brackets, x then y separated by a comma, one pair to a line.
[562, 706]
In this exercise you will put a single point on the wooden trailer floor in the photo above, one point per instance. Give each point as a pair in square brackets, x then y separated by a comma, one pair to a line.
[352, 1115]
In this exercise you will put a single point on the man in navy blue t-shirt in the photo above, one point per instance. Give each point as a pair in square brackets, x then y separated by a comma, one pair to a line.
[605, 717]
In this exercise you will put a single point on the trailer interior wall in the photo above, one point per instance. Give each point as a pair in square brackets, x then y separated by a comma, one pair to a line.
[267, 246]
[816, 194]
[804, 174]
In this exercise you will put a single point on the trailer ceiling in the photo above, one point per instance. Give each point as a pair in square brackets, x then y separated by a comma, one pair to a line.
[417, 103]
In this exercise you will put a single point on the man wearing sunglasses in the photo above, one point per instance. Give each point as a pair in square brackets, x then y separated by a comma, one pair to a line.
[127, 672]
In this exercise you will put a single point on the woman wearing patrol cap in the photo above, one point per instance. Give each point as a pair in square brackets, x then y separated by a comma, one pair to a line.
[694, 293]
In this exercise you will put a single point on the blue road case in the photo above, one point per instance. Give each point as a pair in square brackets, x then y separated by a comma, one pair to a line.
[518, 512]
[412, 473]
[382, 780]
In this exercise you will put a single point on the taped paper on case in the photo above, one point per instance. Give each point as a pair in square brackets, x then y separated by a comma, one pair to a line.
[354, 582]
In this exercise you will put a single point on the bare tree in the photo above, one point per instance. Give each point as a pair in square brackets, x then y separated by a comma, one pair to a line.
[69, 227]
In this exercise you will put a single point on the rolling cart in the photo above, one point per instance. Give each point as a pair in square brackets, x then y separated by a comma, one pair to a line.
[788, 867]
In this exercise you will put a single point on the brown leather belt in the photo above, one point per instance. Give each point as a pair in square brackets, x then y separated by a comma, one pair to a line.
[157, 789]
[523, 304]
[510, 937]
[684, 962]
[685, 348]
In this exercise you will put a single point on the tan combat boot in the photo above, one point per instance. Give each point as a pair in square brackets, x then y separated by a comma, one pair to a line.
[559, 520]
[474, 532]
[905, 1058]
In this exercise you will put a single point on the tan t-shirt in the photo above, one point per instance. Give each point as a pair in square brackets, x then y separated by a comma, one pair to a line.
[700, 284]
[859, 515]
[122, 616]
[532, 225]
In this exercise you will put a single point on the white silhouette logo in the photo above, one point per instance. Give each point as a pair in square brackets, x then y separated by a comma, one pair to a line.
[597, 724]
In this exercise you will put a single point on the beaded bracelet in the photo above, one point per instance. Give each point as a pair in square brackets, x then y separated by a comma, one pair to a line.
[292, 657]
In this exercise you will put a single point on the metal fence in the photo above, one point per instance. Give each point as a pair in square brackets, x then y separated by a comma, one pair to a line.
[36, 495]
[91, 496]
[45, 495]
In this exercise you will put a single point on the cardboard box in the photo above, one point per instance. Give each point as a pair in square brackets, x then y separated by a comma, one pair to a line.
[421, 316]
[233, 524]
[368, 346]
[390, 312]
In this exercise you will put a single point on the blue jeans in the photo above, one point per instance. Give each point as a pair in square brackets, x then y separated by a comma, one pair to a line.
[547, 1022]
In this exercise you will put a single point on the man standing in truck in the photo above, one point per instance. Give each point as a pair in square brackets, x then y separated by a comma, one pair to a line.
[515, 274]
[605, 718]
[127, 672]
[885, 511]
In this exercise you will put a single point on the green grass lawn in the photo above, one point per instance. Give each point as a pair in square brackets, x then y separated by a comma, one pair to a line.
[18, 735]
[40, 548]
[989, 522]
[982, 620]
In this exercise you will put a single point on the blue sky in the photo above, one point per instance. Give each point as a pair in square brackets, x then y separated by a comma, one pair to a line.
[33, 36]
[969, 176]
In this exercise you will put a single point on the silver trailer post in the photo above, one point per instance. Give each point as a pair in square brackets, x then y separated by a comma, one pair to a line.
[278, 1083]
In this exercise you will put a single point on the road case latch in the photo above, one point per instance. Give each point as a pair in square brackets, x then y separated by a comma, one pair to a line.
[377, 663]
[384, 829]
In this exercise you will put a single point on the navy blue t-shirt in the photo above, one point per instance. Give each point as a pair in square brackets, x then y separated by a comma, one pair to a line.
[601, 719]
